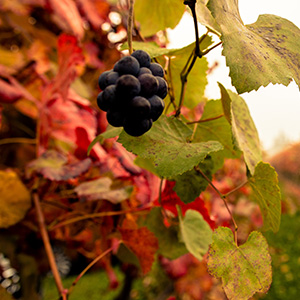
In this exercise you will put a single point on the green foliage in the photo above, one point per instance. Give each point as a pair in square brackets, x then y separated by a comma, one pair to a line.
[166, 14]
[195, 233]
[193, 182]
[270, 41]
[169, 245]
[167, 145]
[266, 193]
[243, 128]
[245, 269]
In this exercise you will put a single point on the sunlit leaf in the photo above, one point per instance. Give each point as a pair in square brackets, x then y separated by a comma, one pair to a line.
[244, 269]
[15, 199]
[267, 51]
[166, 144]
[266, 193]
[243, 128]
[156, 15]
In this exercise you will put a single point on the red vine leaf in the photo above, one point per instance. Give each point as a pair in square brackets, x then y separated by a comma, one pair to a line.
[169, 200]
[143, 243]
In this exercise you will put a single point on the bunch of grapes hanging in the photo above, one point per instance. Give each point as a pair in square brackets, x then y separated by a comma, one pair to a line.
[133, 92]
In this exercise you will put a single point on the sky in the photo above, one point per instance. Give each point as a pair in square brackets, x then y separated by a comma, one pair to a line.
[275, 109]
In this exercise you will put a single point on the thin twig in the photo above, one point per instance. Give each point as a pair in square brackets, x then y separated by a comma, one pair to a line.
[130, 25]
[223, 197]
[236, 189]
[62, 291]
[17, 140]
[96, 215]
[211, 48]
[206, 120]
[91, 265]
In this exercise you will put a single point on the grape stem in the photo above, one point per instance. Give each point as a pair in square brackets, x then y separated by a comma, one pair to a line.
[206, 120]
[130, 25]
[224, 198]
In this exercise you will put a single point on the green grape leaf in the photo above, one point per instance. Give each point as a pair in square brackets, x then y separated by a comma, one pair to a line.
[244, 131]
[156, 15]
[167, 145]
[216, 129]
[205, 17]
[109, 133]
[244, 269]
[195, 233]
[267, 51]
[197, 78]
[266, 193]
[190, 184]
[169, 244]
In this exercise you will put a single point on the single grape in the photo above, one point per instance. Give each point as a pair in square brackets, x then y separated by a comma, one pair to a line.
[127, 65]
[101, 103]
[112, 78]
[102, 80]
[144, 70]
[157, 69]
[157, 107]
[110, 95]
[137, 127]
[142, 57]
[127, 87]
[139, 107]
[162, 87]
[149, 85]
[115, 118]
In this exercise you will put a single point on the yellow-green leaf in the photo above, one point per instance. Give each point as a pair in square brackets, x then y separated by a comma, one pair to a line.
[244, 269]
[266, 193]
[15, 199]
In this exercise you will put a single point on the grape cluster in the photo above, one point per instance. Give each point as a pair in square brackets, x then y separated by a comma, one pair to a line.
[132, 93]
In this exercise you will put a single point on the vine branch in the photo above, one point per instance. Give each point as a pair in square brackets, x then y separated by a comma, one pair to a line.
[45, 237]
[130, 25]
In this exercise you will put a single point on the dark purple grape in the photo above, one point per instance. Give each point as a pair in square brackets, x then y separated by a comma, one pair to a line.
[108, 98]
[162, 87]
[157, 69]
[112, 78]
[102, 80]
[127, 87]
[157, 107]
[149, 85]
[127, 65]
[115, 118]
[144, 70]
[142, 57]
[139, 107]
[101, 103]
[137, 127]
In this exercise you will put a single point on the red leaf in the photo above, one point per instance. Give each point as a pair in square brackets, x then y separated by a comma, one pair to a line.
[8, 92]
[66, 16]
[142, 243]
[94, 10]
[169, 200]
